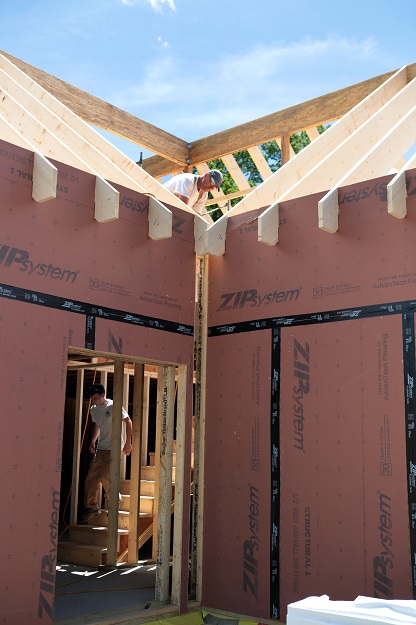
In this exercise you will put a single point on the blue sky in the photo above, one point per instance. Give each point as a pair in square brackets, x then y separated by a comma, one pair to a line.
[194, 68]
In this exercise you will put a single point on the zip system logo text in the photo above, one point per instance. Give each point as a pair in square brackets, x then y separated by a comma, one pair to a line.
[301, 371]
[251, 546]
[253, 299]
[383, 563]
[20, 259]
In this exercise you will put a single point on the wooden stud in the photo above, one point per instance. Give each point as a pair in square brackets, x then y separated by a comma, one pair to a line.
[115, 463]
[135, 465]
[145, 418]
[201, 335]
[180, 485]
[76, 447]
[158, 442]
[165, 485]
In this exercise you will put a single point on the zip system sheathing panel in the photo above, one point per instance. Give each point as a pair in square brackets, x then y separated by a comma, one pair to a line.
[68, 281]
[335, 312]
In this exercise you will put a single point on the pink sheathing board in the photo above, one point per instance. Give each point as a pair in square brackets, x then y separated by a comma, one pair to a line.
[57, 246]
[346, 498]
[370, 260]
[344, 516]
[237, 475]
[68, 281]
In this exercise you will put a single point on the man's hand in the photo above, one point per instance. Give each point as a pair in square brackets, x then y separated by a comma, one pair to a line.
[127, 449]
[91, 448]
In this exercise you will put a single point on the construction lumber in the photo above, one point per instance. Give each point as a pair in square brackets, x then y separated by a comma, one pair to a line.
[288, 121]
[235, 171]
[215, 237]
[397, 191]
[160, 220]
[372, 164]
[260, 162]
[33, 130]
[136, 462]
[178, 560]
[285, 177]
[115, 463]
[99, 153]
[45, 179]
[45, 174]
[310, 171]
[76, 448]
[166, 405]
[106, 116]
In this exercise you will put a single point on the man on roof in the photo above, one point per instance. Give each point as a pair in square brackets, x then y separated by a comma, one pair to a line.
[193, 189]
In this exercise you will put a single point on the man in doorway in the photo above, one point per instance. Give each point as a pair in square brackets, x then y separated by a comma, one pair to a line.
[193, 189]
[101, 412]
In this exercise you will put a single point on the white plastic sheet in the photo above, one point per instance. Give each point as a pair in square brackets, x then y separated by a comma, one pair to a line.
[362, 611]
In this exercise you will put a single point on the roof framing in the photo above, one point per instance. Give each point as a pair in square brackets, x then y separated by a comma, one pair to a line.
[374, 117]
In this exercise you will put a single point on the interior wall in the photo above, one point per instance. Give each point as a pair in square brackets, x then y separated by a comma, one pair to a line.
[333, 318]
[68, 281]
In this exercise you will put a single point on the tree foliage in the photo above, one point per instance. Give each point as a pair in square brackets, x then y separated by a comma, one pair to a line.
[271, 153]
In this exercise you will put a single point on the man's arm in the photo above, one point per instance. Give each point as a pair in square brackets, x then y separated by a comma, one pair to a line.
[184, 199]
[94, 436]
[127, 446]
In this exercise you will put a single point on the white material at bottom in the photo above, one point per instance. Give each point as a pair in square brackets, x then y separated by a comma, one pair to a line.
[364, 610]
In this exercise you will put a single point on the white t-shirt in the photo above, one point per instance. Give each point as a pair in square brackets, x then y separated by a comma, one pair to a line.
[186, 184]
[102, 416]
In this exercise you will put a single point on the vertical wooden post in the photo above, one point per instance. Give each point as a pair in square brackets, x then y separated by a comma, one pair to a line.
[77, 446]
[145, 422]
[201, 334]
[158, 436]
[115, 463]
[177, 574]
[126, 407]
[135, 466]
[285, 149]
[165, 485]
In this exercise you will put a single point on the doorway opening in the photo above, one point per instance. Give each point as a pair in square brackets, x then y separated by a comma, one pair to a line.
[146, 534]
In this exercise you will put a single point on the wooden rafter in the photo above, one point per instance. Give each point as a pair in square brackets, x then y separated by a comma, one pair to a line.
[107, 116]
